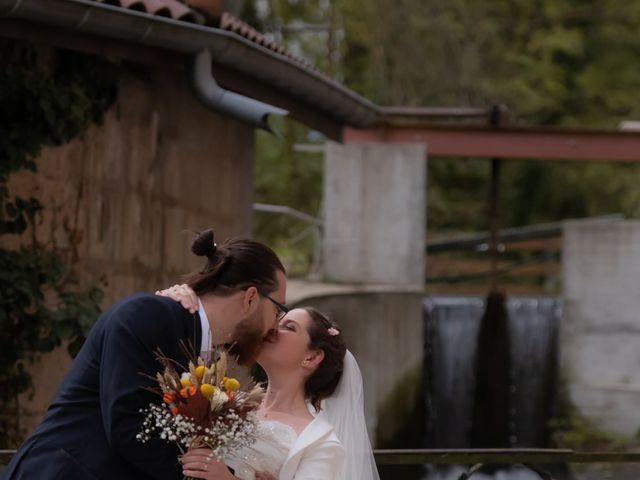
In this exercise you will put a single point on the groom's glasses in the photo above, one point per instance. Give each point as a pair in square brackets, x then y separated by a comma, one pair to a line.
[282, 309]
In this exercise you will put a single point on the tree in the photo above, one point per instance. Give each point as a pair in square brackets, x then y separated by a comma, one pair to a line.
[559, 62]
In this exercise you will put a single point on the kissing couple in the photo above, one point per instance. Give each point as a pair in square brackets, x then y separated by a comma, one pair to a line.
[311, 420]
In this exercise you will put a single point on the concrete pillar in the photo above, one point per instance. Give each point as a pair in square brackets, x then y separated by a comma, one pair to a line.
[374, 240]
[375, 213]
[600, 330]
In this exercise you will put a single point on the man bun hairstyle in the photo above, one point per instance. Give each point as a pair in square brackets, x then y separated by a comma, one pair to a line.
[234, 265]
[203, 244]
[322, 336]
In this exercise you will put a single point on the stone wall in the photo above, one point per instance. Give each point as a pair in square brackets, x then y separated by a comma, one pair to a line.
[122, 199]
[600, 331]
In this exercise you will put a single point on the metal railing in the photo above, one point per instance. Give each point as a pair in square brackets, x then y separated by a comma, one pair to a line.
[534, 459]
[480, 241]
[531, 458]
[316, 226]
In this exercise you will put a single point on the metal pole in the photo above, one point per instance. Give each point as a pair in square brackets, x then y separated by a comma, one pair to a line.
[494, 203]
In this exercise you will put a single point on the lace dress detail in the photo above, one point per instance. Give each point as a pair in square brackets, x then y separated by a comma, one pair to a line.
[267, 454]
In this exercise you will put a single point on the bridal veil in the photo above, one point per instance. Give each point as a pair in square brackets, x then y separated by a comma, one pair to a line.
[345, 411]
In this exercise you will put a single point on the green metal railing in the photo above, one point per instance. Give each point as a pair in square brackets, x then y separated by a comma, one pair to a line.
[531, 458]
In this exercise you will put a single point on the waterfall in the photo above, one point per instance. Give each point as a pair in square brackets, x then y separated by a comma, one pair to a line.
[534, 336]
[451, 333]
[451, 330]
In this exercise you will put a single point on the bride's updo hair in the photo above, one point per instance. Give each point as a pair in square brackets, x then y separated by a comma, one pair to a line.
[326, 336]
[233, 265]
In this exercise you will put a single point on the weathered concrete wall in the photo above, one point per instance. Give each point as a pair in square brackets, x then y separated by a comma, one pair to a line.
[383, 329]
[600, 331]
[375, 213]
[373, 249]
[122, 199]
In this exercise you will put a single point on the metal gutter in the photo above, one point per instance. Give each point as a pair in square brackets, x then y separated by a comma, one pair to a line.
[399, 116]
[226, 48]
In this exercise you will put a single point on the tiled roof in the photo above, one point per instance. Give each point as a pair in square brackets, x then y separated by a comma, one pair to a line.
[235, 25]
[179, 11]
[289, 82]
[164, 8]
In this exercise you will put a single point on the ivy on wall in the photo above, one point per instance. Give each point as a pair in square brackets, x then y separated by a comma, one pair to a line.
[47, 97]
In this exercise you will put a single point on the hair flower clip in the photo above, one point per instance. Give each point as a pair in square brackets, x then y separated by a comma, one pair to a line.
[333, 331]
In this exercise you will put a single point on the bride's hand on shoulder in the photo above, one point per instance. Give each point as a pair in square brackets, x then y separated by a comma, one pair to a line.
[183, 294]
[201, 463]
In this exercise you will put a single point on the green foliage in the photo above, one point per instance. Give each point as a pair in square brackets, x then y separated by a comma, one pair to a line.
[572, 430]
[41, 305]
[40, 308]
[577, 433]
[285, 177]
[44, 108]
[559, 62]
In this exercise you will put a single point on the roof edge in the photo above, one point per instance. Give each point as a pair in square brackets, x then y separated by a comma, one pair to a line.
[227, 48]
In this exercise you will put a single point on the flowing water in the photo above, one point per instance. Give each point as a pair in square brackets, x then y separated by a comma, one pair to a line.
[452, 325]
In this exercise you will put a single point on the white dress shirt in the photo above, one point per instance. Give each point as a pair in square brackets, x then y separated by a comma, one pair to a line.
[205, 343]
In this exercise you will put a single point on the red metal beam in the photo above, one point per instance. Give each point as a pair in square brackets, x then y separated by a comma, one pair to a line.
[509, 142]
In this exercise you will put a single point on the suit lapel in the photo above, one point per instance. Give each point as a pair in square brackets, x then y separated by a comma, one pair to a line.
[195, 329]
[190, 332]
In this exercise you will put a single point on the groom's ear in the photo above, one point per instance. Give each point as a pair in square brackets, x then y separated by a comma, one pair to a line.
[250, 300]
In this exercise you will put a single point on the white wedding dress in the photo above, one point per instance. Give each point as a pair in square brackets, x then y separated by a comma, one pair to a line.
[267, 454]
[337, 430]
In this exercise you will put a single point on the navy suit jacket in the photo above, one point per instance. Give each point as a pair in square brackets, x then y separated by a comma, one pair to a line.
[89, 431]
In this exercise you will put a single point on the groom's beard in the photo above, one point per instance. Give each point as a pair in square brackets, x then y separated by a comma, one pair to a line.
[248, 341]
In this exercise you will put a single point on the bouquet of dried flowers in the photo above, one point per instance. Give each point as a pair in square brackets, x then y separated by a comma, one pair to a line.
[202, 408]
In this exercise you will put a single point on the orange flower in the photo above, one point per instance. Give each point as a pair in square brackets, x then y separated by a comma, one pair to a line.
[168, 397]
[188, 392]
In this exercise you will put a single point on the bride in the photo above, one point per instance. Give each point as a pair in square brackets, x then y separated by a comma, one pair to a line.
[312, 423]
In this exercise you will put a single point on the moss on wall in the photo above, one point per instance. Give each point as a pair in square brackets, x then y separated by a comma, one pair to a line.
[401, 422]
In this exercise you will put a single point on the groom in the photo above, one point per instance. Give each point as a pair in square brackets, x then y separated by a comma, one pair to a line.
[89, 431]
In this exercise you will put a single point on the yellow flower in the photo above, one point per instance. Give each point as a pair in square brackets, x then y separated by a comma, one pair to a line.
[207, 389]
[185, 380]
[200, 371]
[231, 384]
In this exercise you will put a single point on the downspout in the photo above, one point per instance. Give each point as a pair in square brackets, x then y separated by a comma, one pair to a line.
[80, 15]
[227, 48]
[224, 101]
